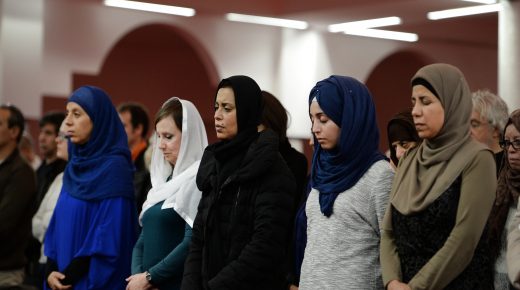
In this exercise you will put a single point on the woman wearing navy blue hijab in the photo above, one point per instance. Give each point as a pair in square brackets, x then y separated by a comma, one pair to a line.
[350, 182]
[93, 230]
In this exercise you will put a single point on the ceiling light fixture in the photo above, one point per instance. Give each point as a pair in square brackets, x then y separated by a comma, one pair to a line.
[167, 9]
[369, 23]
[385, 34]
[482, 1]
[296, 24]
[436, 15]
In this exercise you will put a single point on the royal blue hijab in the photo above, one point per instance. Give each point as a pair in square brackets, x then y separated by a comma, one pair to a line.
[102, 167]
[349, 104]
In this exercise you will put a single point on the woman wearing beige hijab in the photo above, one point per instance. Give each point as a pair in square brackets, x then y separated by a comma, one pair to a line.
[433, 234]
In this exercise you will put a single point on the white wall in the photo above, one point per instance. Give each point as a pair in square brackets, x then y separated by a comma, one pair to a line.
[509, 57]
[75, 36]
[21, 40]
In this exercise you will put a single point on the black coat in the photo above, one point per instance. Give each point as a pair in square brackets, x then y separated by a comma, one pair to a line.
[242, 229]
[142, 181]
[17, 199]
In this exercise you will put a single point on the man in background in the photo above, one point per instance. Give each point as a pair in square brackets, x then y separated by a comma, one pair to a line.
[136, 122]
[52, 165]
[26, 148]
[488, 119]
[17, 195]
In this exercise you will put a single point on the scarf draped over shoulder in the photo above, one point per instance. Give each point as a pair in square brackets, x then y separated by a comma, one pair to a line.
[429, 170]
[180, 192]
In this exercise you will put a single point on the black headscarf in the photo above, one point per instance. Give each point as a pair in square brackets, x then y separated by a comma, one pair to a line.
[401, 128]
[249, 106]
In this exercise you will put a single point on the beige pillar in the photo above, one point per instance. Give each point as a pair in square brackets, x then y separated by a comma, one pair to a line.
[509, 53]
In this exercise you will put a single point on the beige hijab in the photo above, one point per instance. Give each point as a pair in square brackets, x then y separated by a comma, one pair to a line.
[428, 171]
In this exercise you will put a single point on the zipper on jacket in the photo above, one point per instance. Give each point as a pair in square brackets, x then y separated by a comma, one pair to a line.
[236, 200]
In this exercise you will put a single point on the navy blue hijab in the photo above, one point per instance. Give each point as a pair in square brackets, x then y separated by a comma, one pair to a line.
[349, 104]
[101, 168]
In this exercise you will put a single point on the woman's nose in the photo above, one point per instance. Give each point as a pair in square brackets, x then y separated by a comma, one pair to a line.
[161, 143]
[217, 115]
[315, 127]
[415, 111]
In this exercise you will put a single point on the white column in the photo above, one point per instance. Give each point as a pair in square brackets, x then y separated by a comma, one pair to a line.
[509, 53]
[1, 54]
[21, 41]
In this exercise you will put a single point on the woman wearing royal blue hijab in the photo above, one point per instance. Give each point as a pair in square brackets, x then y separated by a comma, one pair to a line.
[93, 229]
[350, 182]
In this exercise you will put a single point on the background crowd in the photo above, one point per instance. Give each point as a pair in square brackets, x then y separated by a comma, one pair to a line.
[110, 206]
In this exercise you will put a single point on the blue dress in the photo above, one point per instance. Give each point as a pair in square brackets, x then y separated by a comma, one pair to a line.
[104, 230]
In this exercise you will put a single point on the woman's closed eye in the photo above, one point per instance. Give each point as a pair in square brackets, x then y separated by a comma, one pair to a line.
[165, 136]
[323, 120]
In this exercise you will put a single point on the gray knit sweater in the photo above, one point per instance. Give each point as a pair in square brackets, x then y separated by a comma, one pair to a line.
[343, 250]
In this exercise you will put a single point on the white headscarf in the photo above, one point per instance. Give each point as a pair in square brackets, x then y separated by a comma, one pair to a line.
[180, 192]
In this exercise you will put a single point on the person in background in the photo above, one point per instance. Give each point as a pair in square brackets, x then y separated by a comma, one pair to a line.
[509, 189]
[350, 182]
[17, 196]
[171, 206]
[299, 240]
[40, 221]
[135, 119]
[93, 230]
[26, 148]
[488, 119]
[51, 166]
[242, 230]
[487, 122]
[275, 117]
[402, 136]
[433, 234]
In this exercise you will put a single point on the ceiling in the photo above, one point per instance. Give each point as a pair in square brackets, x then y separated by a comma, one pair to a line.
[479, 30]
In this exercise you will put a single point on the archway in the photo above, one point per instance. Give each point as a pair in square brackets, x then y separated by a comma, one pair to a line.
[389, 83]
[153, 63]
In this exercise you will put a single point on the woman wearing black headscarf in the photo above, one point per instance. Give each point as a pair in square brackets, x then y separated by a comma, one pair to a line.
[243, 225]
[402, 136]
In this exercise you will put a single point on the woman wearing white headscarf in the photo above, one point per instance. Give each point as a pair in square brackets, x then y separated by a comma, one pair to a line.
[178, 144]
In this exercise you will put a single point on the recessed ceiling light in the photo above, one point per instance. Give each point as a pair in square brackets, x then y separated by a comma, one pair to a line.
[167, 9]
[482, 1]
[435, 15]
[296, 24]
[369, 23]
[386, 34]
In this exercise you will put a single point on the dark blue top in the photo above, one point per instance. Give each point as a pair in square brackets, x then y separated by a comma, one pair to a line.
[162, 247]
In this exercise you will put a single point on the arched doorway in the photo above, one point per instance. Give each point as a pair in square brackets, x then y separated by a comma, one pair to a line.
[389, 83]
[153, 63]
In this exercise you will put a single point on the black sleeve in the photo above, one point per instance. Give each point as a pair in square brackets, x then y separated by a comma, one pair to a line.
[77, 268]
[50, 267]
[192, 277]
